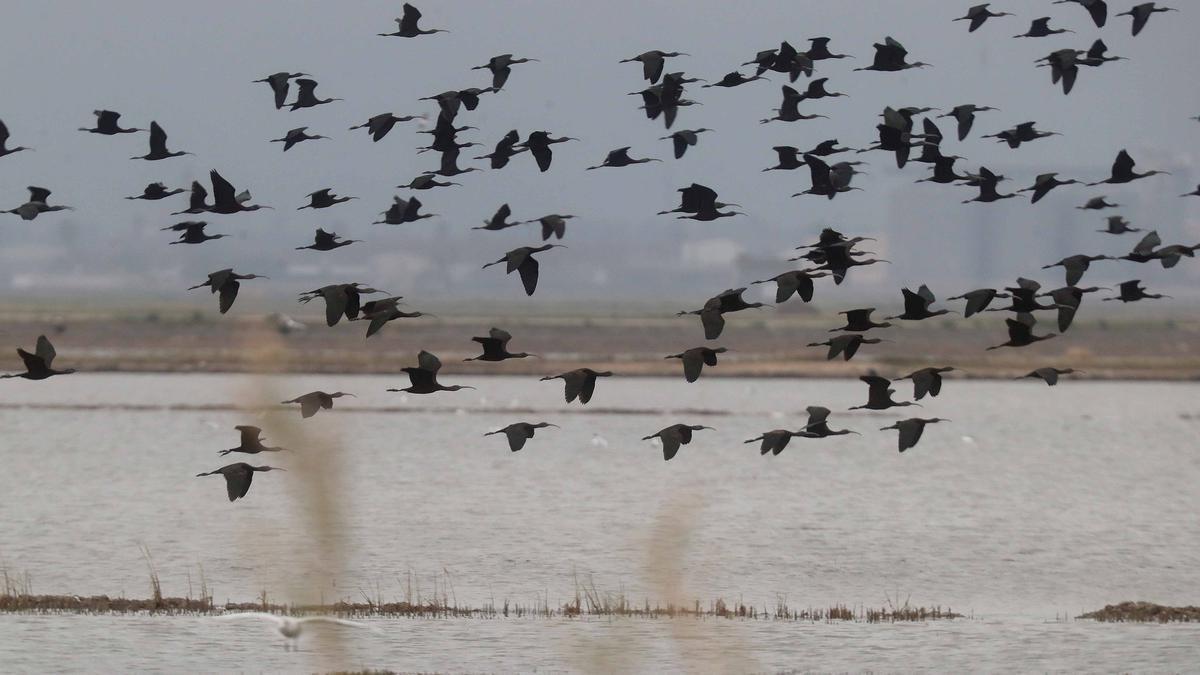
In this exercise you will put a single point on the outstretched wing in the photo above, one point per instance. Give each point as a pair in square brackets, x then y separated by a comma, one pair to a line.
[45, 350]
[529, 274]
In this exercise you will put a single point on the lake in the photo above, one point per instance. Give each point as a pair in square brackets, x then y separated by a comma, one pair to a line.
[1032, 504]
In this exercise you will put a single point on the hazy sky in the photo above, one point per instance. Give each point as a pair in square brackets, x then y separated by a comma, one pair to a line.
[191, 71]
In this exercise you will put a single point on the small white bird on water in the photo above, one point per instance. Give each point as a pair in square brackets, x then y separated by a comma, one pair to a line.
[291, 627]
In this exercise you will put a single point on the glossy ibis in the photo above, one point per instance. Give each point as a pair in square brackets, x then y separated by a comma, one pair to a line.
[847, 345]
[1098, 9]
[911, 430]
[1097, 204]
[521, 260]
[818, 425]
[495, 347]
[314, 401]
[1024, 132]
[979, 14]
[156, 191]
[789, 110]
[579, 383]
[158, 145]
[327, 241]
[379, 125]
[192, 232]
[38, 365]
[798, 282]
[323, 199]
[501, 68]
[964, 115]
[107, 124]
[1076, 265]
[424, 376]
[553, 224]
[37, 204]
[916, 305]
[733, 79]
[891, 56]
[729, 300]
[1041, 28]
[297, 135]
[652, 62]
[505, 150]
[226, 200]
[306, 96]
[1141, 14]
[499, 220]
[684, 138]
[927, 381]
[1132, 291]
[238, 477]
[879, 394]
[407, 25]
[1117, 225]
[695, 359]
[4, 149]
[226, 283]
[674, 436]
[251, 442]
[403, 211]
[340, 300]
[1044, 183]
[776, 440]
[1048, 375]
[859, 321]
[519, 432]
[1122, 171]
[278, 83]
[978, 299]
[1020, 332]
[538, 144]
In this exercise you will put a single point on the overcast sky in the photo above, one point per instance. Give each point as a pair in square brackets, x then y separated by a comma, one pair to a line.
[190, 67]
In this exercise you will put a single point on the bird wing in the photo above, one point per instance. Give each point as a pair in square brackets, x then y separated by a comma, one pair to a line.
[574, 382]
[408, 23]
[528, 270]
[692, 365]
[1123, 165]
[38, 194]
[500, 335]
[33, 362]
[1099, 12]
[713, 323]
[516, 437]
[237, 480]
[309, 405]
[678, 140]
[250, 434]
[3, 134]
[428, 361]
[910, 433]
[670, 442]
[158, 139]
[45, 350]
[923, 383]
[819, 171]
[228, 292]
[1148, 243]
[223, 192]
[335, 304]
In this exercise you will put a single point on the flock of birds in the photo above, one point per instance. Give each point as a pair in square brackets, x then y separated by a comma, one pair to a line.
[833, 255]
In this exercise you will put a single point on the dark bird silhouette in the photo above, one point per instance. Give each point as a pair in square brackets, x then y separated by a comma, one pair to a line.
[978, 299]
[684, 138]
[674, 436]
[453, 100]
[107, 124]
[306, 96]
[505, 150]
[859, 321]
[891, 56]
[327, 241]
[879, 394]
[426, 181]
[1097, 204]
[926, 381]
[818, 425]
[403, 211]
[1098, 9]
[1193, 193]
[297, 135]
[619, 158]
[156, 191]
[379, 125]
[1076, 265]
[1020, 332]
[158, 145]
[251, 443]
[979, 14]
[785, 60]
[1022, 133]
[495, 347]
[406, 26]
[733, 79]
[279, 85]
[1132, 291]
[192, 232]
[314, 401]
[729, 300]
[652, 62]
[501, 67]
[379, 312]
[4, 149]
[519, 432]
[38, 365]
[838, 258]
[1097, 55]
[197, 200]
[816, 90]
[943, 171]
[553, 224]
[1122, 171]
[695, 359]
[1064, 67]
[1041, 28]
[697, 198]
[579, 383]
[226, 200]
[424, 376]
[1145, 250]
[1048, 375]
[1044, 183]
[1117, 225]
[789, 110]
[340, 300]
[987, 188]
[538, 144]
[776, 440]
[916, 305]
[826, 181]
[1141, 14]
[798, 282]
[1024, 298]
[521, 260]
[323, 199]
[226, 283]
[818, 50]
[847, 345]
[789, 158]
[1068, 299]
[895, 136]
[499, 221]
[238, 477]
[964, 115]
[37, 204]
[911, 430]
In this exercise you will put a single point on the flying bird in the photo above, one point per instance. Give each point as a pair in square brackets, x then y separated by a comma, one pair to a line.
[927, 381]
[1048, 375]
[107, 124]
[1132, 291]
[1141, 14]
[379, 125]
[192, 232]
[619, 158]
[495, 347]
[911, 430]
[406, 25]
[979, 14]
[1098, 9]
[4, 149]
[891, 56]
[1020, 332]
[226, 282]
[553, 224]
[916, 305]
[711, 315]
[1044, 183]
[795, 282]
[288, 626]
[37, 204]
[158, 145]
[879, 394]
[522, 261]
[306, 96]
[1122, 171]
[156, 191]
[323, 199]
[314, 401]
[519, 432]
[683, 139]
[279, 83]
[1041, 28]
[674, 436]
[327, 241]
[38, 365]
[238, 477]
[251, 442]
[424, 376]
[538, 144]
[340, 300]
[652, 62]
[978, 299]
[579, 383]
[501, 67]
[695, 359]
[297, 135]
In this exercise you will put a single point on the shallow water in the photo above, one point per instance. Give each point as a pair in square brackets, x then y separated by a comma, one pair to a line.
[1034, 502]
